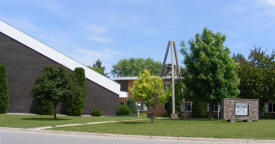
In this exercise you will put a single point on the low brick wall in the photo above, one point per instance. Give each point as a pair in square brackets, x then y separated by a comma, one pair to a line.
[228, 109]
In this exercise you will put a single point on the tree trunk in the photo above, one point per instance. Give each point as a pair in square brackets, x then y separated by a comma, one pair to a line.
[152, 114]
[210, 113]
[54, 115]
[153, 109]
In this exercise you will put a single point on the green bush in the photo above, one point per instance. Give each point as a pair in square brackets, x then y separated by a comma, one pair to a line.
[96, 112]
[132, 105]
[75, 104]
[199, 109]
[123, 110]
[4, 94]
[44, 106]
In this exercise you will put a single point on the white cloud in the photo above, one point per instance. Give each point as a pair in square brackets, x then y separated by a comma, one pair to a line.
[230, 33]
[269, 2]
[107, 56]
[100, 39]
[106, 53]
[97, 29]
[21, 23]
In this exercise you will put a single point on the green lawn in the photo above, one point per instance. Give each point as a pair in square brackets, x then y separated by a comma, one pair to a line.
[262, 129]
[32, 121]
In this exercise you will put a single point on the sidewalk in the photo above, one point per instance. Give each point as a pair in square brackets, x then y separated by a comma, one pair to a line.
[157, 139]
[79, 124]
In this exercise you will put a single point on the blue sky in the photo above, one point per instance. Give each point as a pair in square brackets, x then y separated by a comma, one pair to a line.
[111, 30]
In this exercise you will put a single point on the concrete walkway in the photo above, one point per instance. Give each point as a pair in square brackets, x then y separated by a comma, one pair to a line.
[78, 124]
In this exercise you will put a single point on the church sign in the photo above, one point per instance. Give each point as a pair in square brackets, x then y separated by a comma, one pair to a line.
[241, 109]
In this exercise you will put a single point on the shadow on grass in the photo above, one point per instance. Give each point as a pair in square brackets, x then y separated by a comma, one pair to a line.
[45, 119]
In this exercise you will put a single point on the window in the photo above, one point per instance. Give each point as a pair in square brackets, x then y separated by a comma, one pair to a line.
[165, 107]
[141, 106]
[188, 107]
[216, 108]
[166, 85]
[270, 107]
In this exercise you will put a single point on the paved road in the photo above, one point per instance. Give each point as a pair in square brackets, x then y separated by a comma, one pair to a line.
[19, 136]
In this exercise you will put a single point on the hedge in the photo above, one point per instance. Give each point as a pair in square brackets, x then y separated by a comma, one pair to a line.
[4, 94]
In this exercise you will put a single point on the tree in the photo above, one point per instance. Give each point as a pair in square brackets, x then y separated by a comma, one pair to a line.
[98, 67]
[150, 90]
[4, 94]
[131, 103]
[179, 86]
[75, 102]
[257, 76]
[210, 72]
[133, 66]
[53, 85]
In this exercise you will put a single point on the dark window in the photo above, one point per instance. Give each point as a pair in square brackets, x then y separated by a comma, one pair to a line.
[270, 107]
[273, 110]
[216, 108]
[166, 85]
[188, 107]
[165, 107]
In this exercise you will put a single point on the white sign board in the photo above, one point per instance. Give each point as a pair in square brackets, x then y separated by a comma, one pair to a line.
[241, 109]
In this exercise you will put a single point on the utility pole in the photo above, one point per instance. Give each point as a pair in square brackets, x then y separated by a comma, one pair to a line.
[172, 45]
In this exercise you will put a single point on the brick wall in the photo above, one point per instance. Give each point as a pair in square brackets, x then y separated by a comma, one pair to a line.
[228, 109]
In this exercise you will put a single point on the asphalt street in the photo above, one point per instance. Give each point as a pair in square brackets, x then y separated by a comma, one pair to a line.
[19, 136]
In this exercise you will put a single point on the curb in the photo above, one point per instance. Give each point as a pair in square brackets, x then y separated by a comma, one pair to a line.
[145, 137]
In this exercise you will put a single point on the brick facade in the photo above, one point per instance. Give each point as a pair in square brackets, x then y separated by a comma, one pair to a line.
[24, 65]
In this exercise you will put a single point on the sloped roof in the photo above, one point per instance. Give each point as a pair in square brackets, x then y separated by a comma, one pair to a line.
[135, 78]
[57, 56]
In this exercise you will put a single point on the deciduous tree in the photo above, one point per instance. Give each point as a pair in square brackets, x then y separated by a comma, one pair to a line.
[150, 90]
[55, 85]
[133, 66]
[257, 76]
[210, 71]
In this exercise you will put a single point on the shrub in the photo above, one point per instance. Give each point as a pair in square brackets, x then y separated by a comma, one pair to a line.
[44, 106]
[96, 112]
[4, 94]
[199, 109]
[75, 104]
[123, 110]
[132, 105]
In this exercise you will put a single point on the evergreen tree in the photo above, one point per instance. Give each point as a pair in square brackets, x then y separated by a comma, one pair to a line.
[75, 102]
[98, 67]
[4, 95]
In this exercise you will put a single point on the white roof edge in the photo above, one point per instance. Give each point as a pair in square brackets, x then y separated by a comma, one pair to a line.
[123, 94]
[58, 57]
[135, 78]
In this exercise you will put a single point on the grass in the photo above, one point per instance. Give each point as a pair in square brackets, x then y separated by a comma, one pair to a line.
[262, 129]
[32, 121]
